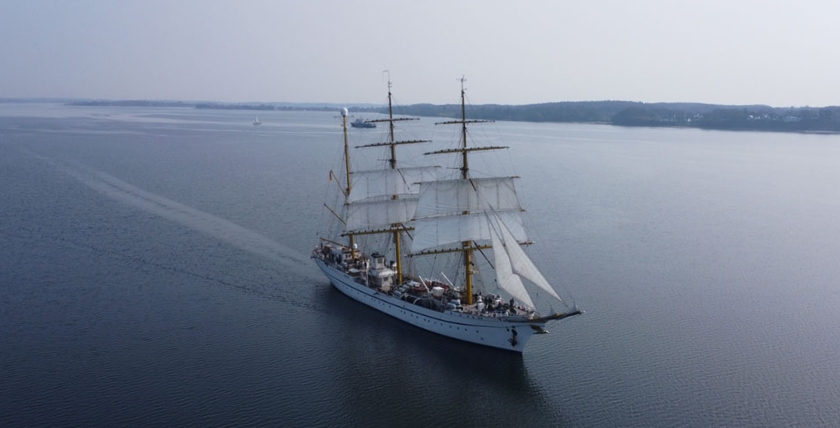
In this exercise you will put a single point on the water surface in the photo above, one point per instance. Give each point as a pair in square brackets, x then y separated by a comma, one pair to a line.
[154, 270]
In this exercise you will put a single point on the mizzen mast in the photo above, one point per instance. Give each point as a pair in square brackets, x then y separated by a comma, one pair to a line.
[348, 175]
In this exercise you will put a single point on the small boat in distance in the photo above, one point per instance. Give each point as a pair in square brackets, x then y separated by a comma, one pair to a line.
[388, 220]
[359, 123]
[257, 121]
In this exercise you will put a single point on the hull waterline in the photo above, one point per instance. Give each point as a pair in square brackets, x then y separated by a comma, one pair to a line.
[481, 330]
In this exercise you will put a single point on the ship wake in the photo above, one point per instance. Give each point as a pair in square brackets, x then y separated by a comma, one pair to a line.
[197, 220]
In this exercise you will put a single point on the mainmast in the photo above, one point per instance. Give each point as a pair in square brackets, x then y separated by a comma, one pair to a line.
[396, 228]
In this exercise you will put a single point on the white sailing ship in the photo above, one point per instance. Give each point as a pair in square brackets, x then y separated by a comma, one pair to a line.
[431, 216]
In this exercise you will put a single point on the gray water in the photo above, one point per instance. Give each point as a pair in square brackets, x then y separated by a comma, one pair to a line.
[154, 271]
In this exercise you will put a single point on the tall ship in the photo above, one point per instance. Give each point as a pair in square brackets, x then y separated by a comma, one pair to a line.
[426, 249]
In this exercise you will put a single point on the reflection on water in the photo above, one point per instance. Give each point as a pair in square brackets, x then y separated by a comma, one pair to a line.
[433, 379]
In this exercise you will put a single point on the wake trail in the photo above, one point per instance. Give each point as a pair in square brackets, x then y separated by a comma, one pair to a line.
[192, 218]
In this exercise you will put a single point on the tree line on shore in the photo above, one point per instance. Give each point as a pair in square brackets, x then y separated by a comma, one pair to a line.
[620, 113]
[628, 113]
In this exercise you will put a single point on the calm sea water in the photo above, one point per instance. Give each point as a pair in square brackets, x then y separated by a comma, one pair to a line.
[154, 271]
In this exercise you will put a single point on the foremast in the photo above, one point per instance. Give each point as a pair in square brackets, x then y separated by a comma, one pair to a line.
[469, 213]
[468, 247]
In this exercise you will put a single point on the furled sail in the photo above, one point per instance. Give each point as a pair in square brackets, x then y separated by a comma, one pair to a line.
[521, 263]
[505, 277]
[381, 183]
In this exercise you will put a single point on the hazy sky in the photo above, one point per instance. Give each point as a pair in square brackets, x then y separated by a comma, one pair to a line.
[775, 52]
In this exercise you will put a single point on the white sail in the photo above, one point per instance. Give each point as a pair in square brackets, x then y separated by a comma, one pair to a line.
[440, 222]
[448, 232]
[451, 197]
[522, 264]
[378, 215]
[381, 183]
[505, 277]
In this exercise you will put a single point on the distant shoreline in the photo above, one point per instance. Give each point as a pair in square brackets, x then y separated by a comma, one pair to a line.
[814, 120]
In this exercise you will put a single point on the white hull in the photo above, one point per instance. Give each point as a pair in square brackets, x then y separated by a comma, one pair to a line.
[481, 330]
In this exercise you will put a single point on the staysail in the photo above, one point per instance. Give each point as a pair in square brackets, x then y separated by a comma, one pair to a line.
[521, 263]
[505, 277]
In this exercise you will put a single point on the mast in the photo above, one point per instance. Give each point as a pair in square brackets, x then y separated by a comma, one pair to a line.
[465, 168]
[396, 228]
[467, 246]
[393, 162]
[465, 214]
[464, 163]
[349, 182]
